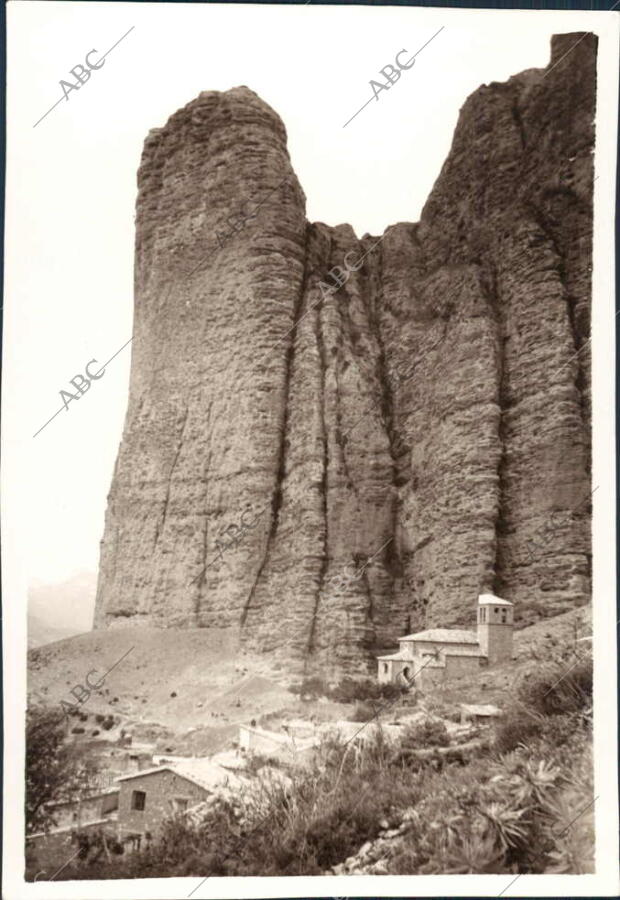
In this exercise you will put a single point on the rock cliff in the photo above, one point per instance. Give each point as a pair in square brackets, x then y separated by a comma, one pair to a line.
[411, 409]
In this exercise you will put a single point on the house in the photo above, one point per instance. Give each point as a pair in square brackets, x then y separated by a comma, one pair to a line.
[149, 797]
[430, 658]
[96, 809]
[95, 813]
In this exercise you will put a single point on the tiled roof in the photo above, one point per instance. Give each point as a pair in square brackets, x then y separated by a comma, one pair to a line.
[204, 773]
[443, 636]
[402, 655]
[200, 771]
[483, 709]
[492, 600]
[75, 798]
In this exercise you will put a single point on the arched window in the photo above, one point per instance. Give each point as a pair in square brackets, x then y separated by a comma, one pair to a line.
[504, 616]
[385, 668]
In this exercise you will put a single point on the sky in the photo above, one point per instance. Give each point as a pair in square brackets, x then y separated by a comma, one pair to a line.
[71, 191]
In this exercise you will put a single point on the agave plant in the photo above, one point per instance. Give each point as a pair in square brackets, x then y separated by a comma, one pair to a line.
[509, 823]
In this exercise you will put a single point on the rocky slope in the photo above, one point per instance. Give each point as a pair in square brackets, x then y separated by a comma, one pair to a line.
[423, 423]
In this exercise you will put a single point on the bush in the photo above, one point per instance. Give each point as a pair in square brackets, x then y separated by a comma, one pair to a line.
[325, 815]
[430, 733]
[514, 813]
[108, 722]
[350, 690]
[558, 730]
[257, 761]
[364, 712]
[56, 769]
[313, 687]
[517, 727]
[559, 688]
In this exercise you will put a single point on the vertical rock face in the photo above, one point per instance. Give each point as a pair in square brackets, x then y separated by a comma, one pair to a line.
[424, 422]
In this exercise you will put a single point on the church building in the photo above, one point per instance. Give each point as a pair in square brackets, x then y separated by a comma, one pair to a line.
[437, 655]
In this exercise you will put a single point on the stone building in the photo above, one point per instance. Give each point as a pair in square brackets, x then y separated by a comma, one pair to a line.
[437, 655]
[148, 798]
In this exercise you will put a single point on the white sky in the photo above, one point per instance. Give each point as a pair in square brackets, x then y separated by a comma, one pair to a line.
[71, 188]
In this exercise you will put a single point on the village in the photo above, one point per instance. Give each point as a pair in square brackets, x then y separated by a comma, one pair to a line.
[138, 788]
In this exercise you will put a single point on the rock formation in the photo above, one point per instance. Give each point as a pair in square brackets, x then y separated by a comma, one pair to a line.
[412, 408]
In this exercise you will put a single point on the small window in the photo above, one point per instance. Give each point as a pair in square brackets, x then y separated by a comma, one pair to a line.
[385, 668]
[496, 610]
[138, 800]
[504, 616]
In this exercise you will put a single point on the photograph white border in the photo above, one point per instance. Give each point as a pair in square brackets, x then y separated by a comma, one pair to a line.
[606, 881]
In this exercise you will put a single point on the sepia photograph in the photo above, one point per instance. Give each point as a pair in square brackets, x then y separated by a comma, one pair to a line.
[309, 451]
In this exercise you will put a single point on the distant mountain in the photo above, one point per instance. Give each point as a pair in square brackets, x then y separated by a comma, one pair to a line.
[40, 633]
[57, 611]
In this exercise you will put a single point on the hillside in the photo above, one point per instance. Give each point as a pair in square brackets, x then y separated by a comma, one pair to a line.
[424, 793]
[216, 687]
[40, 632]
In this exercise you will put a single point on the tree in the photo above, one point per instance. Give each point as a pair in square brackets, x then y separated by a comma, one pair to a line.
[46, 765]
[54, 769]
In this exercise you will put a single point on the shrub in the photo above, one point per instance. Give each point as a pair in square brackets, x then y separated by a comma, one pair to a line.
[572, 839]
[559, 688]
[56, 769]
[313, 687]
[108, 722]
[364, 712]
[516, 727]
[514, 813]
[430, 733]
[257, 761]
[325, 814]
[558, 730]
[349, 690]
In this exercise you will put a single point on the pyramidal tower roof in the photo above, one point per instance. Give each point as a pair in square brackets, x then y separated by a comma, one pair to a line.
[492, 600]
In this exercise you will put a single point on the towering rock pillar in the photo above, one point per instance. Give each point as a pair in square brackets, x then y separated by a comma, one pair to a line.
[422, 426]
